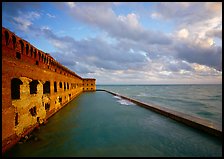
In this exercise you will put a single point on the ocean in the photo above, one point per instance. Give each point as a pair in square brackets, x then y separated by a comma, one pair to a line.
[204, 101]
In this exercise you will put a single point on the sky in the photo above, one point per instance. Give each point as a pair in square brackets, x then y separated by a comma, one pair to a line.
[126, 42]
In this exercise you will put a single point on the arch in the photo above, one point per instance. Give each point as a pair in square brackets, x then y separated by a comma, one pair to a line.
[64, 86]
[31, 51]
[6, 38]
[33, 86]
[14, 41]
[35, 53]
[15, 88]
[27, 49]
[46, 87]
[67, 85]
[33, 111]
[39, 54]
[22, 45]
[55, 86]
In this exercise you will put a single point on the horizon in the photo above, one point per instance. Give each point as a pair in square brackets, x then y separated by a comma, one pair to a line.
[156, 84]
[156, 43]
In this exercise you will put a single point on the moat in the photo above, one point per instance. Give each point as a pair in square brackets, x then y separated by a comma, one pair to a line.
[96, 124]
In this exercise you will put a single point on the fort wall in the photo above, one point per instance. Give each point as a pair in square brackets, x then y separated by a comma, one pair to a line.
[34, 87]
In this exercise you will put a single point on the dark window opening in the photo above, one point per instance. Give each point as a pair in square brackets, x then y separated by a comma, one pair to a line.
[33, 111]
[37, 63]
[60, 84]
[16, 119]
[14, 41]
[33, 87]
[15, 88]
[39, 55]
[91, 84]
[55, 70]
[6, 38]
[18, 55]
[47, 106]
[38, 119]
[87, 84]
[91, 88]
[27, 49]
[31, 51]
[64, 86]
[22, 46]
[55, 86]
[69, 95]
[46, 87]
[35, 54]
[67, 86]
[60, 99]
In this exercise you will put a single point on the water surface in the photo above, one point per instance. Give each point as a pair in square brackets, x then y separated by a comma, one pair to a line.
[99, 124]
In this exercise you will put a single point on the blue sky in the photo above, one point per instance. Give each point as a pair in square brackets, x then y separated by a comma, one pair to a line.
[126, 42]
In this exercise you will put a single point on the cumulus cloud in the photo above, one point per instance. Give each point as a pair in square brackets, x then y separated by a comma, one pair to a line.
[119, 26]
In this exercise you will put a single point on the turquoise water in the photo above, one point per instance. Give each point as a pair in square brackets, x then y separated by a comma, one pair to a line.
[99, 124]
[204, 101]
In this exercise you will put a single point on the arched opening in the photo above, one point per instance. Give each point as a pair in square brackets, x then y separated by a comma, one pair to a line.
[39, 55]
[22, 46]
[6, 38]
[67, 86]
[55, 86]
[33, 86]
[33, 111]
[31, 51]
[18, 55]
[46, 87]
[60, 85]
[35, 54]
[64, 86]
[27, 49]
[14, 41]
[15, 88]
[60, 100]
[47, 106]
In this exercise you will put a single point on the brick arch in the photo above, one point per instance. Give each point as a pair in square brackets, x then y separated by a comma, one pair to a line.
[31, 51]
[6, 37]
[21, 46]
[34, 53]
[15, 88]
[14, 41]
[27, 49]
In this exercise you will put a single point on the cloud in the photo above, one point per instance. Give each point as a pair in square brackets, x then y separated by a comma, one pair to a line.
[25, 21]
[50, 15]
[118, 26]
[71, 4]
[194, 53]
[125, 51]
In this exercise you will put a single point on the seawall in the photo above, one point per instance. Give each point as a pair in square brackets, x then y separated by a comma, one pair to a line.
[192, 121]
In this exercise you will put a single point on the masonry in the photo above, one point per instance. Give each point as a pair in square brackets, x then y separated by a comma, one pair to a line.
[34, 87]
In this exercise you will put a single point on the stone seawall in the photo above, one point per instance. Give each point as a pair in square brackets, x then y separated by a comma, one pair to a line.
[191, 121]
